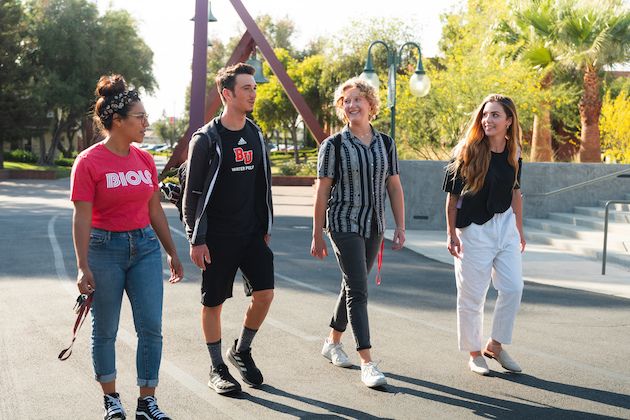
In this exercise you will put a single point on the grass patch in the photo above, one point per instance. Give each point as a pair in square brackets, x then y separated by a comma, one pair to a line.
[283, 163]
[60, 171]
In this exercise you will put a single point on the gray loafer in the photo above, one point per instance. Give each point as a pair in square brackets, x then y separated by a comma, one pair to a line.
[504, 360]
[478, 365]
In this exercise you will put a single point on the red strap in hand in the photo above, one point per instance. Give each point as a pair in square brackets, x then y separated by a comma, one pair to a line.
[82, 308]
[379, 263]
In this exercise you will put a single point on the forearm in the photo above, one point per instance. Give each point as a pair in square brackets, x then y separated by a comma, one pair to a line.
[451, 213]
[81, 226]
[397, 201]
[322, 193]
[517, 208]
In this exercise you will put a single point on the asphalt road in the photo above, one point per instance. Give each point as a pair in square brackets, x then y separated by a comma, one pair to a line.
[574, 346]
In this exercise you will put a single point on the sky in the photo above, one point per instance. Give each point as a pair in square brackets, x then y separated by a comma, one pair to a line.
[167, 28]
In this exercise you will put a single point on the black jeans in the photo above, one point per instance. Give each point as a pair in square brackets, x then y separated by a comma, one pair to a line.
[355, 255]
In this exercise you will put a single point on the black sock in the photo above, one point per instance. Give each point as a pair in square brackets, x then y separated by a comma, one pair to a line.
[215, 353]
[246, 338]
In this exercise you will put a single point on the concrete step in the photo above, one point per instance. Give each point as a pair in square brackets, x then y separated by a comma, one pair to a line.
[617, 252]
[592, 222]
[584, 233]
[613, 215]
[620, 207]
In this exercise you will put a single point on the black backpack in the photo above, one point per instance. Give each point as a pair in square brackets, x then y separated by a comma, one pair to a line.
[175, 193]
[337, 144]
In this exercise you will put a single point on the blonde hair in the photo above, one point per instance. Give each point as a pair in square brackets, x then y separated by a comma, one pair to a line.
[472, 154]
[367, 91]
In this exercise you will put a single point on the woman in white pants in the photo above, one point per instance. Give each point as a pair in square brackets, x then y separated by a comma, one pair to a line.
[484, 217]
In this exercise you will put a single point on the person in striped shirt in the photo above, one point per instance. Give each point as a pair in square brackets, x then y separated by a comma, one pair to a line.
[357, 167]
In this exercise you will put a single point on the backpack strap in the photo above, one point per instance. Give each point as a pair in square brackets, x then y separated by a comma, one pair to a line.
[337, 145]
[388, 142]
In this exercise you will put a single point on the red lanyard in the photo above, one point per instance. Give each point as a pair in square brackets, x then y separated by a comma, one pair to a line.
[379, 263]
[81, 308]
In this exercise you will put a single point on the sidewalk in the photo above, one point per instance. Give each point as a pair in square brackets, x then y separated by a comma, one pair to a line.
[541, 264]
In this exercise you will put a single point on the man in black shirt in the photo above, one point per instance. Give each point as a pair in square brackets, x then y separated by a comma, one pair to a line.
[228, 214]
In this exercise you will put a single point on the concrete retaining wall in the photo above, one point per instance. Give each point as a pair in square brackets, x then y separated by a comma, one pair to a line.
[425, 200]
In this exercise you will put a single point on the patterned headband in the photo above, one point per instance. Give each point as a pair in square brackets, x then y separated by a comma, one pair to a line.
[114, 104]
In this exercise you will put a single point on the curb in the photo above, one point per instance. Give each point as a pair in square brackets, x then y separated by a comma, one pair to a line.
[27, 174]
[292, 181]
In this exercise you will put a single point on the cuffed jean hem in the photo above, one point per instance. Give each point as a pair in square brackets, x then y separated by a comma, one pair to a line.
[105, 378]
[364, 348]
[336, 328]
[148, 383]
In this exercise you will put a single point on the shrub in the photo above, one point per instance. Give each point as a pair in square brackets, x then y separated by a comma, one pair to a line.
[20, 155]
[64, 161]
[615, 127]
[301, 169]
[289, 168]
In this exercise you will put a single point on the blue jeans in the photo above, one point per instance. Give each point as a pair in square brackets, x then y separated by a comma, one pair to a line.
[131, 262]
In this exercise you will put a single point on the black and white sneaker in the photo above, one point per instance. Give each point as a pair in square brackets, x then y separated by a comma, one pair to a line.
[221, 380]
[149, 410]
[113, 408]
[245, 364]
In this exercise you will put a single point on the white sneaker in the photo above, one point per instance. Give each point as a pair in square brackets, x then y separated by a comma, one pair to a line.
[334, 352]
[371, 376]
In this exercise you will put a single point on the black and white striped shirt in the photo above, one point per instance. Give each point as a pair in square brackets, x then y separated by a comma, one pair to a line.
[358, 196]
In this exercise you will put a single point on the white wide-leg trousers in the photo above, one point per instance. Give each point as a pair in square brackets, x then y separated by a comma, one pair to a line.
[490, 252]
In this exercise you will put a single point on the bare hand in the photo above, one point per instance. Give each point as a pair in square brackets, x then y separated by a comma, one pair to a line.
[267, 238]
[200, 255]
[454, 246]
[177, 270]
[85, 281]
[523, 243]
[318, 247]
[399, 239]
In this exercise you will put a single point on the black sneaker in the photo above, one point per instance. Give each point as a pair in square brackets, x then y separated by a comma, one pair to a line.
[113, 407]
[221, 380]
[245, 364]
[149, 410]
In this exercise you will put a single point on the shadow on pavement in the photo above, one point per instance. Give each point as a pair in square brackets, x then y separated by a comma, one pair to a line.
[491, 407]
[282, 408]
[597, 395]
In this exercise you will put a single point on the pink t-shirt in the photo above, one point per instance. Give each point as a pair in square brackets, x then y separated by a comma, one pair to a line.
[119, 187]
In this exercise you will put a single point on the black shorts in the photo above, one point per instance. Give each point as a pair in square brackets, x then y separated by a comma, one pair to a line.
[227, 254]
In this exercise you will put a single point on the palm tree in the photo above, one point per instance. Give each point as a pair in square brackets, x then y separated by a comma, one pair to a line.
[594, 35]
[532, 35]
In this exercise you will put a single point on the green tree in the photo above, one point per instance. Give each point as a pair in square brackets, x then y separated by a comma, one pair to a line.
[75, 47]
[532, 36]
[16, 100]
[122, 50]
[349, 50]
[615, 127]
[277, 32]
[170, 129]
[471, 68]
[273, 110]
[594, 35]
[66, 32]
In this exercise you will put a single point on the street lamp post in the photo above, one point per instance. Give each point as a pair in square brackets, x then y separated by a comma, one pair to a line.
[419, 84]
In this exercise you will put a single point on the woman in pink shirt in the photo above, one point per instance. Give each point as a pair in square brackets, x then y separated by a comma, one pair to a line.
[117, 228]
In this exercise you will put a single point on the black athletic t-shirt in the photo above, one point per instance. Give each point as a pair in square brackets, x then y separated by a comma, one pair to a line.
[494, 197]
[233, 204]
